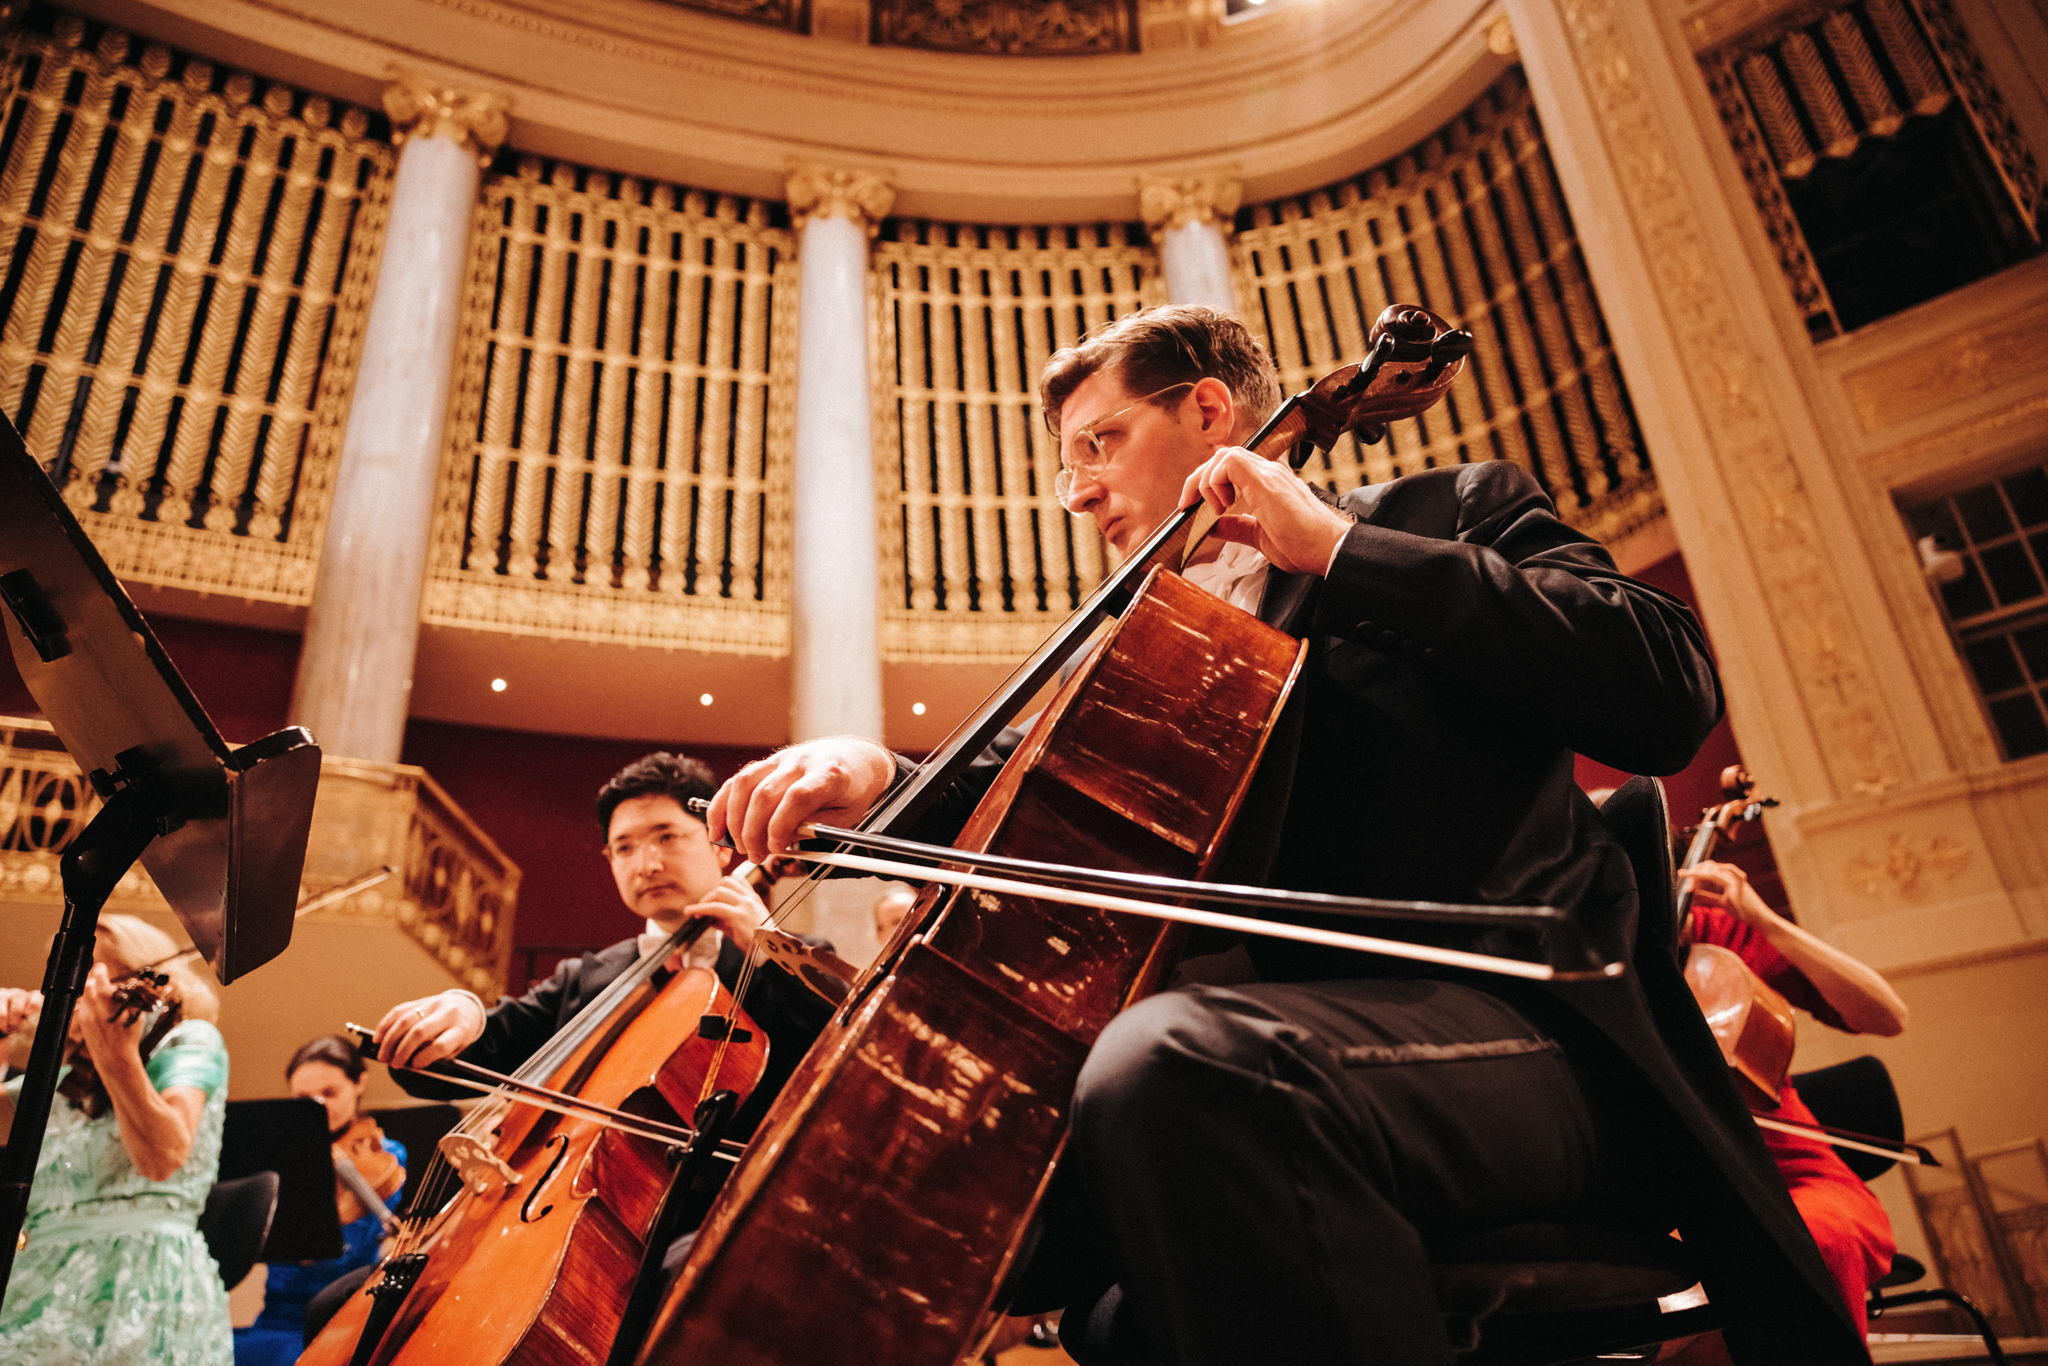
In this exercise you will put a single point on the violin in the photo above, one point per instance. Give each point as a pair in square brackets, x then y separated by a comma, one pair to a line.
[145, 991]
[1751, 1020]
[890, 1190]
[360, 1151]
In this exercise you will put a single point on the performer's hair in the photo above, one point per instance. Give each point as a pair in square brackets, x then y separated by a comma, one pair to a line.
[1159, 347]
[658, 775]
[336, 1050]
[132, 943]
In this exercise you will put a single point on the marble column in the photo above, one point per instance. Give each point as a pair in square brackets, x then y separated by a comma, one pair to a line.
[1190, 218]
[836, 674]
[355, 671]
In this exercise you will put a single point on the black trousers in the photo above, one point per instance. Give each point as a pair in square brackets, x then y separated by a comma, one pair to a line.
[1261, 1167]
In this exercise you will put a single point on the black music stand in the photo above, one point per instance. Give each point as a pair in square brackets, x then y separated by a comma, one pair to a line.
[222, 831]
[289, 1137]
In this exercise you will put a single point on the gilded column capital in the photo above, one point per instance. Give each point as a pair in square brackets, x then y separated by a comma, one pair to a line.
[1167, 202]
[473, 119]
[818, 191]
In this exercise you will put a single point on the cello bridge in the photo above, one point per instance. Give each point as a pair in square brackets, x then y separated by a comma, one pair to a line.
[482, 1170]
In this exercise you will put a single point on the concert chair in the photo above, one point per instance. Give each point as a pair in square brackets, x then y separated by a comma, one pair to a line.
[236, 1220]
[1859, 1095]
[1531, 1294]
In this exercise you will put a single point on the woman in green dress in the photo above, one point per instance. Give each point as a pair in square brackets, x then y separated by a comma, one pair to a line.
[115, 1270]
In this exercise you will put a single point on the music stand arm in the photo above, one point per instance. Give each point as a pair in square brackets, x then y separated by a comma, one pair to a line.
[93, 866]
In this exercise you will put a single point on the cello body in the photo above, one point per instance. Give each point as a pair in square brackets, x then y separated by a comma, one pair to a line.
[531, 1258]
[886, 1195]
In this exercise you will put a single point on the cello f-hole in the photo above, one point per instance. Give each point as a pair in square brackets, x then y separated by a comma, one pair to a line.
[560, 1143]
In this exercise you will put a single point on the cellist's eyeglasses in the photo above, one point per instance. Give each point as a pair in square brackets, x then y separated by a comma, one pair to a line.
[1087, 455]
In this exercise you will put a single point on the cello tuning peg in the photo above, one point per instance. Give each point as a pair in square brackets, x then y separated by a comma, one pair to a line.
[1371, 433]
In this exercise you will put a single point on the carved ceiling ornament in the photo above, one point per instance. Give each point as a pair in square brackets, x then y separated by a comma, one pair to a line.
[819, 191]
[1041, 28]
[477, 120]
[1834, 676]
[1169, 202]
[1905, 863]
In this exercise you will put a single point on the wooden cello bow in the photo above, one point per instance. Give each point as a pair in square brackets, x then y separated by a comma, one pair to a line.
[887, 1194]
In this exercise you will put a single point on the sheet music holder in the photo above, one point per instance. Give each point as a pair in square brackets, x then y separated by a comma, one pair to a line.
[222, 831]
[288, 1137]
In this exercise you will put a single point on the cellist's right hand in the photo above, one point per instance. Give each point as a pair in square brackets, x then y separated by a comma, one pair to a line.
[420, 1033]
[833, 781]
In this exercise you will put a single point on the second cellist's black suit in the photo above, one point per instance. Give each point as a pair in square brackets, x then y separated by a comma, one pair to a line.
[1262, 1166]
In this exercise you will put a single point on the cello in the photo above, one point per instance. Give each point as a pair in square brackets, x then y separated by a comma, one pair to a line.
[888, 1194]
[533, 1222]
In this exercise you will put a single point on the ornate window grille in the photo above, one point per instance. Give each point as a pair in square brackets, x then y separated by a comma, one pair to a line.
[619, 451]
[979, 560]
[1884, 163]
[1471, 224]
[188, 255]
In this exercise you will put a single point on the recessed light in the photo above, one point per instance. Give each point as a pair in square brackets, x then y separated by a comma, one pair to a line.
[917, 709]
[497, 685]
[704, 699]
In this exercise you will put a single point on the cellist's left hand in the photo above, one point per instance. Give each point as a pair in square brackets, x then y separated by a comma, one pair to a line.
[735, 908]
[1265, 505]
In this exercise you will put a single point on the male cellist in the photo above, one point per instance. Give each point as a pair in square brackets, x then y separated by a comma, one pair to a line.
[667, 871]
[1262, 1165]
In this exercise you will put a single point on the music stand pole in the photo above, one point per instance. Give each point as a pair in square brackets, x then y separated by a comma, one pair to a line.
[93, 865]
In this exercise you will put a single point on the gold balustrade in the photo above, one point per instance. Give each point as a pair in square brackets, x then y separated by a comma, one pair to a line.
[455, 894]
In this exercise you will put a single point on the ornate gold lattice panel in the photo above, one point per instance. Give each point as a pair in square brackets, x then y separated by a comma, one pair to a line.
[620, 441]
[188, 256]
[1471, 225]
[978, 560]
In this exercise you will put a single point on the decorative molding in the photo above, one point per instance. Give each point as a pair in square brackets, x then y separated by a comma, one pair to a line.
[818, 191]
[785, 14]
[1731, 383]
[1949, 370]
[1905, 864]
[1500, 37]
[1170, 202]
[478, 120]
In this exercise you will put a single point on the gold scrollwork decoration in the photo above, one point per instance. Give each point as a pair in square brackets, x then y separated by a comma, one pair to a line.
[1904, 864]
[1040, 28]
[476, 119]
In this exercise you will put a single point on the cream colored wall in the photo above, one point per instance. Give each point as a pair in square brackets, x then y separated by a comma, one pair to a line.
[1971, 1060]
[332, 974]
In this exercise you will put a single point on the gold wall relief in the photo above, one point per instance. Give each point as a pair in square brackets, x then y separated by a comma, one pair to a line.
[1043, 28]
[1833, 674]
[1949, 370]
[1907, 866]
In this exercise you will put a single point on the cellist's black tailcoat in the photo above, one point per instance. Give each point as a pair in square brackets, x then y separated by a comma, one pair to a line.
[1465, 644]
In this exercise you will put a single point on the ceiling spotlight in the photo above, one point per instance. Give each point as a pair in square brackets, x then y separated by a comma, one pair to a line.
[497, 685]
[917, 709]
[704, 699]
